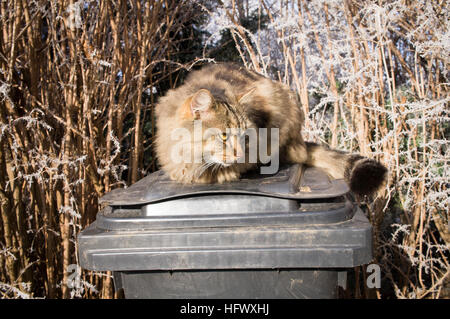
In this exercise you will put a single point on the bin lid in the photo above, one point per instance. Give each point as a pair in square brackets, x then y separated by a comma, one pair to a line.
[292, 196]
[290, 182]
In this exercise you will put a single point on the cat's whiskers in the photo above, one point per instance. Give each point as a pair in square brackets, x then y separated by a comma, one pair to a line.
[216, 167]
[202, 168]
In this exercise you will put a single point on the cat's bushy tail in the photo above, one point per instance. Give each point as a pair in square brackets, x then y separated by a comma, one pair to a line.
[363, 175]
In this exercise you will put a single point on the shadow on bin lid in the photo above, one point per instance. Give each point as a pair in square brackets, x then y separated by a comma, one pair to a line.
[290, 182]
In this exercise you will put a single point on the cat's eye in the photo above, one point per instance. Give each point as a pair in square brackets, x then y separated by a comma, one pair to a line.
[224, 136]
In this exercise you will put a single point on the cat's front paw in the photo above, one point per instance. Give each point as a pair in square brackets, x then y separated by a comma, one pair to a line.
[180, 175]
[227, 176]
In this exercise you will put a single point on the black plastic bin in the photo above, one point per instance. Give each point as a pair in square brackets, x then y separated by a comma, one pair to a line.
[294, 234]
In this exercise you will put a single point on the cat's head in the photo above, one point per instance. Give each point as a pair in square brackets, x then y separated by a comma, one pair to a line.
[222, 123]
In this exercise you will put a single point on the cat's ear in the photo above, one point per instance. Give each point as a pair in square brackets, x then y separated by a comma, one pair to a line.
[246, 96]
[201, 102]
[197, 105]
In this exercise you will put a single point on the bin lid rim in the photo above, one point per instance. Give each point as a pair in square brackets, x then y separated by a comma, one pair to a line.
[290, 182]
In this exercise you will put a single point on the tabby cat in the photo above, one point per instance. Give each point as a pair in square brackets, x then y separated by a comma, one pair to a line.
[232, 99]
